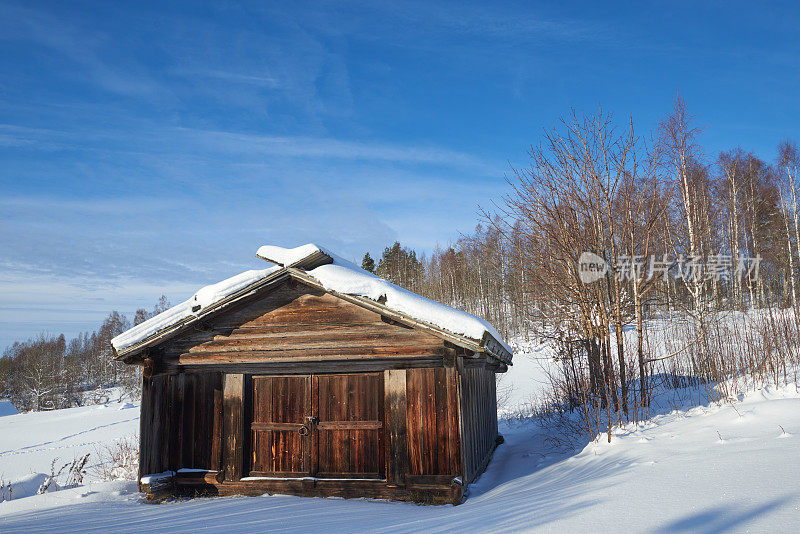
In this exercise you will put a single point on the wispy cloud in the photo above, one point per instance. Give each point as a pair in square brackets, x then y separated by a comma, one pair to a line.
[270, 82]
[327, 148]
[499, 22]
[480, 29]
[156, 139]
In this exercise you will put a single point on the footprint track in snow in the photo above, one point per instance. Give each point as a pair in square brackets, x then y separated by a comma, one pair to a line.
[41, 446]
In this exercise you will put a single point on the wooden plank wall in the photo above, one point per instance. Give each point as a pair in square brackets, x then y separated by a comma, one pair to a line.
[180, 415]
[479, 418]
[432, 422]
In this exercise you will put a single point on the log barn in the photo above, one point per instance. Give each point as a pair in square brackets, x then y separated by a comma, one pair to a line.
[314, 377]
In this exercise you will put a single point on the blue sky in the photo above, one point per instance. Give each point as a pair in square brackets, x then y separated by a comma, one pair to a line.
[152, 147]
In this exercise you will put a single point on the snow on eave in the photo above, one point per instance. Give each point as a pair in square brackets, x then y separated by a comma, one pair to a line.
[207, 300]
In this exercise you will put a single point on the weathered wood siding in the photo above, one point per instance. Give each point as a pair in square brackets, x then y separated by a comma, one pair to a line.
[396, 419]
[479, 418]
[432, 422]
[180, 415]
[233, 421]
[296, 323]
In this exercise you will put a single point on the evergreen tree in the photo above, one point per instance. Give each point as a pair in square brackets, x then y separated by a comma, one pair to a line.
[368, 264]
[400, 266]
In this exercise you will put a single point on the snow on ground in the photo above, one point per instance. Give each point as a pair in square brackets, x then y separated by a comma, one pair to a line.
[525, 381]
[707, 469]
[30, 442]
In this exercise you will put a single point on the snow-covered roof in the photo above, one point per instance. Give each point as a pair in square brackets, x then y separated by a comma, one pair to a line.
[336, 275]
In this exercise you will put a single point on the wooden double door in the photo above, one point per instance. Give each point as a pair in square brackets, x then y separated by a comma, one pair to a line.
[321, 425]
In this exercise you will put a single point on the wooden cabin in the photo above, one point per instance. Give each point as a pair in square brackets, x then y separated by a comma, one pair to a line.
[314, 378]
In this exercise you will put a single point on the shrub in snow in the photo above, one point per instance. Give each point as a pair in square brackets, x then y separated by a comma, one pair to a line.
[24, 487]
[5, 491]
[118, 460]
[72, 474]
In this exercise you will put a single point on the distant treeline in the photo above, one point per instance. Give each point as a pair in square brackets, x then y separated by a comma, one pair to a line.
[48, 372]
